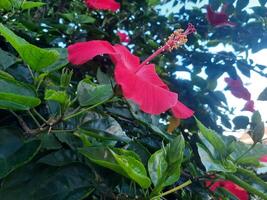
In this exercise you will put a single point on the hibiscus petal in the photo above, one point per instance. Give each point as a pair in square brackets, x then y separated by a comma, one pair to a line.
[148, 73]
[123, 37]
[103, 4]
[151, 98]
[131, 62]
[218, 19]
[81, 52]
[181, 111]
[263, 158]
[249, 106]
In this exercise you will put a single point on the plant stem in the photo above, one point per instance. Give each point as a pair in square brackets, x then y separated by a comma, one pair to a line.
[39, 115]
[250, 148]
[85, 110]
[34, 119]
[173, 190]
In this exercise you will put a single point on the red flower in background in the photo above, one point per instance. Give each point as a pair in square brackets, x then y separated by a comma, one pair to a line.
[237, 89]
[249, 106]
[139, 81]
[123, 37]
[218, 19]
[263, 158]
[103, 4]
[234, 189]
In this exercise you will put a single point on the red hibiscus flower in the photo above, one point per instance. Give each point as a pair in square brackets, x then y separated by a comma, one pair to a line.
[237, 89]
[123, 37]
[234, 189]
[103, 4]
[139, 81]
[249, 106]
[218, 19]
[263, 158]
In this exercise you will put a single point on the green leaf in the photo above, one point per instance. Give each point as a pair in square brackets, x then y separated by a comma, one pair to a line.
[103, 157]
[79, 19]
[240, 4]
[89, 94]
[31, 4]
[262, 2]
[211, 164]
[103, 127]
[14, 152]
[153, 2]
[6, 59]
[157, 167]
[212, 138]
[60, 158]
[58, 96]
[16, 95]
[133, 168]
[257, 132]
[69, 139]
[43, 182]
[6, 4]
[241, 122]
[252, 156]
[263, 95]
[37, 58]
[49, 142]
[255, 118]
[164, 165]
[58, 64]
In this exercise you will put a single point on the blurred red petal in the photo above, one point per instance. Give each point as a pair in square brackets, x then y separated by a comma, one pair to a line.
[181, 111]
[218, 19]
[263, 158]
[123, 37]
[81, 52]
[103, 4]
[234, 189]
[249, 106]
[237, 88]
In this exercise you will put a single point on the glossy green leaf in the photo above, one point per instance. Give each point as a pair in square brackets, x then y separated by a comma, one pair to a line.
[157, 167]
[16, 95]
[103, 127]
[31, 4]
[60, 158]
[164, 165]
[59, 63]
[6, 59]
[79, 19]
[58, 96]
[69, 139]
[49, 142]
[211, 164]
[89, 94]
[212, 138]
[69, 182]
[14, 152]
[103, 157]
[37, 58]
[5, 4]
[133, 168]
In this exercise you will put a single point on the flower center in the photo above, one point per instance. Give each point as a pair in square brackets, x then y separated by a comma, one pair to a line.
[175, 40]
